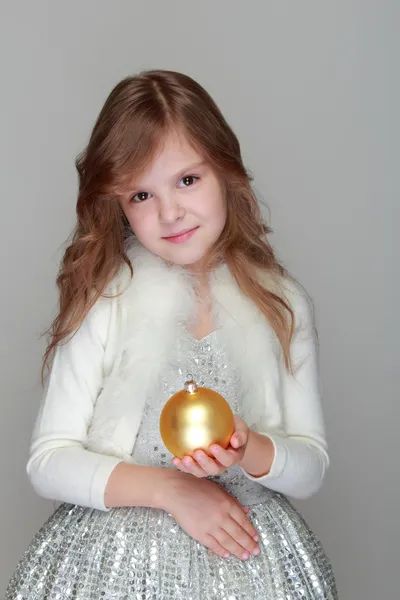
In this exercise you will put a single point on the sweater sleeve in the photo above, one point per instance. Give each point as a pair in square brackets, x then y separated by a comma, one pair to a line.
[301, 458]
[59, 465]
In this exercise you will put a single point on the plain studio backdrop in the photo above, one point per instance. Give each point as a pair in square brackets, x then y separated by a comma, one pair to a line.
[310, 89]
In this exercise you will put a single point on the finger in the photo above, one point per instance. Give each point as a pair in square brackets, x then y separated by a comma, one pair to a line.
[238, 439]
[224, 457]
[211, 543]
[228, 542]
[240, 424]
[193, 467]
[208, 464]
[245, 523]
[179, 465]
[241, 537]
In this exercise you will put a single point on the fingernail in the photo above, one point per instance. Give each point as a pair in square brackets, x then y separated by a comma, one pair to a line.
[256, 551]
[245, 555]
[256, 538]
[226, 555]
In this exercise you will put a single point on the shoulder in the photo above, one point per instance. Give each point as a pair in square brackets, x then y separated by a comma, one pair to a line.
[102, 315]
[294, 294]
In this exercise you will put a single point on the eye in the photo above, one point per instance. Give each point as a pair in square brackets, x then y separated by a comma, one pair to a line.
[142, 196]
[189, 180]
[139, 197]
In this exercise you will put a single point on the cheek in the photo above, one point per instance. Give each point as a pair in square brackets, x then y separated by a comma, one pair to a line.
[141, 222]
[220, 212]
[223, 210]
[214, 209]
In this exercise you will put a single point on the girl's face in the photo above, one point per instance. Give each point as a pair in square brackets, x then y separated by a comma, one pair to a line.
[177, 208]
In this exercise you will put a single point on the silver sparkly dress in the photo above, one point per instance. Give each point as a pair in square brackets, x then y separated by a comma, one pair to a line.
[142, 554]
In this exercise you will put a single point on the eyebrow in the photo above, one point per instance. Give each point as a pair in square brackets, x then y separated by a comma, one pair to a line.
[196, 165]
[178, 175]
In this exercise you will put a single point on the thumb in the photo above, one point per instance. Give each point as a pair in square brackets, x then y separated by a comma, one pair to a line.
[239, 437]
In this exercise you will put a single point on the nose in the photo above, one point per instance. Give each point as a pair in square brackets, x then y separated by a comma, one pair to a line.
[170, 210]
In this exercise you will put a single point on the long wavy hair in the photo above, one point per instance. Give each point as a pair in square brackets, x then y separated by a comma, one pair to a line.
[136, 116]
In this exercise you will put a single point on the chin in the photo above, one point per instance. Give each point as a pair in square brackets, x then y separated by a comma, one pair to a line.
[186, 262]
[184, 258]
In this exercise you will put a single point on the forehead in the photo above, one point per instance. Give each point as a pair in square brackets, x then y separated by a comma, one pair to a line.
[173, 154]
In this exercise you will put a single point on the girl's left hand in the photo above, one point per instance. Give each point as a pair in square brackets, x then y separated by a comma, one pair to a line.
[202, 465]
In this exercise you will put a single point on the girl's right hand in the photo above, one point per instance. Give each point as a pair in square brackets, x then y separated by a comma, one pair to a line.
[210, 515]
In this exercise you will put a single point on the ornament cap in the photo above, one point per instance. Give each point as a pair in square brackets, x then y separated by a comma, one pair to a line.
[190, 385]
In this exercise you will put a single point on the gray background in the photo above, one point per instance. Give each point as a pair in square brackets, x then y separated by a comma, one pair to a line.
[310, 89]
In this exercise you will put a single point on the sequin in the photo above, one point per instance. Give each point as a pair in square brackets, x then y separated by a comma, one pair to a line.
[142, 554]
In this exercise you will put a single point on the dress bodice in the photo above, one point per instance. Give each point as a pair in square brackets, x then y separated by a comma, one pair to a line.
[210, 366]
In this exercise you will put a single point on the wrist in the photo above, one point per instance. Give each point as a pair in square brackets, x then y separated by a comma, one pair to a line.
[248, 448]
[259, 455]
[167, 480]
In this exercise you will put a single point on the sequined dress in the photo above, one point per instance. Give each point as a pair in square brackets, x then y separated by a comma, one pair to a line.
[142, 553]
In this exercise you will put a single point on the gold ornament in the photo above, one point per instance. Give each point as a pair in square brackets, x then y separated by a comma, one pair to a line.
[194, 418]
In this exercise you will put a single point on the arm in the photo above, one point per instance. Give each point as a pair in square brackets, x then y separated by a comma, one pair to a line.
[137, 485]
[60, 467]
[294, 463]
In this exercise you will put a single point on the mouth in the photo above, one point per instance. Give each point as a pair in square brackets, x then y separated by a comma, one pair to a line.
[181, 236]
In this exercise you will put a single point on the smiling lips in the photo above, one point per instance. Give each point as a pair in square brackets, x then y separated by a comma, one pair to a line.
[182, 236]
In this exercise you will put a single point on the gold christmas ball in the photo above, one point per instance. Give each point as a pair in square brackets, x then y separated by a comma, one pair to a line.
[194, 418]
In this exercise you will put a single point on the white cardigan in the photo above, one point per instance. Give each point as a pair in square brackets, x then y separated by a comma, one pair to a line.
[100, 378]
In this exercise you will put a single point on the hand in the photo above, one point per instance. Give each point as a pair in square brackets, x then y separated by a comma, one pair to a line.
[210, 515]
[202, 465]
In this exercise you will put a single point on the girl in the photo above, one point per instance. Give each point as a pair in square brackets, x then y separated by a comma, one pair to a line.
[170, 272]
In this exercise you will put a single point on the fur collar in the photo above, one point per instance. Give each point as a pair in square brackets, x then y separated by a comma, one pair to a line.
[154, 309]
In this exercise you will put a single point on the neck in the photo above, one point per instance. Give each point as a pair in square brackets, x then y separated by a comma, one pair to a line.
[201, 281]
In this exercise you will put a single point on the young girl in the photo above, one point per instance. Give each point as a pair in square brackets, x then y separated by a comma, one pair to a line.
[169, 273]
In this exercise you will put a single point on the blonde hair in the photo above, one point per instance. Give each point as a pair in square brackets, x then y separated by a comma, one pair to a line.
[137, 114]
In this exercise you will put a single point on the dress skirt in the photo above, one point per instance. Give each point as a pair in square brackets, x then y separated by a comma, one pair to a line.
[143, 554]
